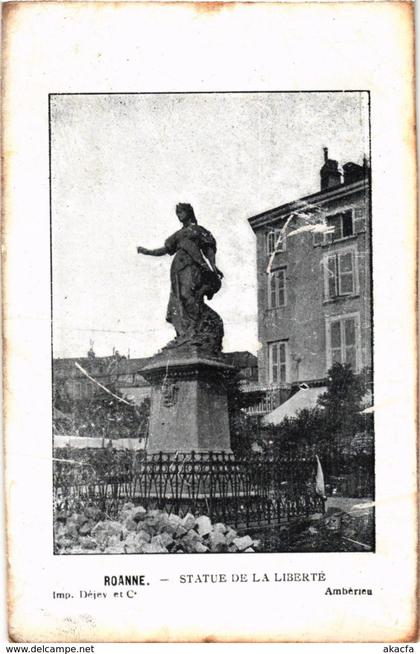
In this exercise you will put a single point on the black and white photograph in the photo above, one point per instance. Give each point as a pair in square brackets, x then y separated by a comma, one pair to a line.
[209, 233]
[212, 322]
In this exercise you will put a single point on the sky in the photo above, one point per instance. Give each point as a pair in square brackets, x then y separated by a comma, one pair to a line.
[120, 164]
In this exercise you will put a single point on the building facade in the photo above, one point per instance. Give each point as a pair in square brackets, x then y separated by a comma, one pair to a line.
[314, 280]
[124, 375]
[117, 371]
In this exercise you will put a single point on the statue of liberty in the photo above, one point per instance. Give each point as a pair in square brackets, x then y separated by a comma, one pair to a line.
[194, 276]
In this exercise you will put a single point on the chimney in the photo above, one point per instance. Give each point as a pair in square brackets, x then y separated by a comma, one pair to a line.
[330, 174]
[353, 172]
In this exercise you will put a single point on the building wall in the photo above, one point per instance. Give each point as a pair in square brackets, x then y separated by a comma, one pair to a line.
[119, 372]
[301, 323]
[124, 375]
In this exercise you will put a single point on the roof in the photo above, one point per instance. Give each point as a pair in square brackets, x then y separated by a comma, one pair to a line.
[305, 398]
[98, 366]
[325, 195]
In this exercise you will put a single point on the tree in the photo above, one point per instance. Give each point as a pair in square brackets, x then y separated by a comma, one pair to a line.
[342, 401]
[243, 431]
[335, 418]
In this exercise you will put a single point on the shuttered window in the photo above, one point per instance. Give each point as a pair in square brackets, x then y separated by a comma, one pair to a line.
[345, 261]
[359, 220]
[343, 346]
[277, 289]
[273, 243]
[340, 274]
[277, 362]
[345, 224]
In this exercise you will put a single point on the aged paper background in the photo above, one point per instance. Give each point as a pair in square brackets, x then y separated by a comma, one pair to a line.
[109, 47]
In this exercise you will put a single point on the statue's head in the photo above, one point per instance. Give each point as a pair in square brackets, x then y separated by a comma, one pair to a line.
[185, 213]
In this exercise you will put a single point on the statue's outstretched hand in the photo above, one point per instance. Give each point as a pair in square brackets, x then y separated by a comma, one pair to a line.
[157, 252]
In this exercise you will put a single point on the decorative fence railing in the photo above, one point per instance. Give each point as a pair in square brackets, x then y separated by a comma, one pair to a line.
[255, 491]
[349, 476]
[347, 472]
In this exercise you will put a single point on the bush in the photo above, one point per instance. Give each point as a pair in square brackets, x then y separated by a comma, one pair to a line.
[336, 419]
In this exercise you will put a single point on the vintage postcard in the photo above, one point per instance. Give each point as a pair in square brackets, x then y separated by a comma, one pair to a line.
[209, 238]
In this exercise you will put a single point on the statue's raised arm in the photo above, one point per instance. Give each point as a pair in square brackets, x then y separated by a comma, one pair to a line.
[157, 252]
[194, 276]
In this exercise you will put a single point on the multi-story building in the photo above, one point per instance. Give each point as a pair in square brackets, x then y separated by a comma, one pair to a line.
[124, 374]
[119, 371]
[314, 282]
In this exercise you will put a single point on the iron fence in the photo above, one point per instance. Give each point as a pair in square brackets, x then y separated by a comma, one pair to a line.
[347, 472]
[243, 492]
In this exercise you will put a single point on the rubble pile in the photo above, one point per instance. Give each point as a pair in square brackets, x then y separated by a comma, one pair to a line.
[137, 531]
[333, 531]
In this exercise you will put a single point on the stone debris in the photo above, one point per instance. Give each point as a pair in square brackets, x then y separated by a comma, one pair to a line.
[188, 521]
[152, 548]
[86, 528]
[243, 543]
[143, 536]
[203, 525]
[93, 513]
[230, 535]
[163, 540]
[130, 524]
[219, 526]
[138, 531]
[217, 541]
[88, 543]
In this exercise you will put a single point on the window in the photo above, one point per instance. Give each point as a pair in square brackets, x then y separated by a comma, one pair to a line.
[340, 274]
[345, 224]
[276, 291]
[277, 362]
[342, 224]
[273, 243]
[359, 220]
[78, 390]
[343, 340]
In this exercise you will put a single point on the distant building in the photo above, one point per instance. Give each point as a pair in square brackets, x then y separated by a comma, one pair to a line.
[124, 375]
[246, 363]
[116, 370]
[314, 285]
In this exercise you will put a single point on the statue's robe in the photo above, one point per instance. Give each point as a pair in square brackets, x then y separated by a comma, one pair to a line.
[192, 279]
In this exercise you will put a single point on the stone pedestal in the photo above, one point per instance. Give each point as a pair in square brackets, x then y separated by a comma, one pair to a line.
[189, 408]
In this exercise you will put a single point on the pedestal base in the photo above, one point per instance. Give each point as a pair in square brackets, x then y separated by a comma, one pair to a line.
[189, 410]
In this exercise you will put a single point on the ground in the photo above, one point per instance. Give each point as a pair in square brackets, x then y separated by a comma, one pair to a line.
[346, 526]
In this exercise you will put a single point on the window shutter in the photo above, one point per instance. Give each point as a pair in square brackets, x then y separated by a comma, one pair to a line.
[281, 282]
[275, 363]
[336, 342]
[346, 284]
[335, 222]
[347, 224]
[277, 244]
[268, 244]
[331, 277]
[282, 362]
[350, 341]
[271, 287]
[359, 220]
